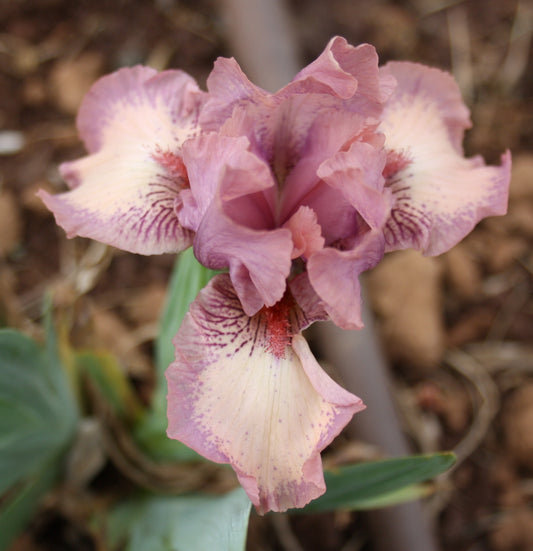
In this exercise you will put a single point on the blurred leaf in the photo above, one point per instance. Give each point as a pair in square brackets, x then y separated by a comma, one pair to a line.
[187, 523]
[37, 413]
[38, 417]
[379, 483]
[18, 506]
[396, 497]
[151, 435]
[105, 372]
[188, 277]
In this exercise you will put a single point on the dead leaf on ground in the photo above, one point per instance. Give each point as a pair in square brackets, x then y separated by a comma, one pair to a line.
[522, 178]
[145, 306]
[513, 531]
[10, 223]
[517, 421]
[70, 80]
[111, 333]
[406, 293]
[463, 272]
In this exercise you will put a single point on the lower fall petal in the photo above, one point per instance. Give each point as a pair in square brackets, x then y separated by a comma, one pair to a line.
[245, 391]
[126, 201]
[133, 123]
[438, 196]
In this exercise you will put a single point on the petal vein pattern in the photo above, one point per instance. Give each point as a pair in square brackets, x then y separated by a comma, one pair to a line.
[236, 398]
[133, 123]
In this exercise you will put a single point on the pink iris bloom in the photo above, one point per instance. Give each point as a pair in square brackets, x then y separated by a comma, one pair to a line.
[294, 194]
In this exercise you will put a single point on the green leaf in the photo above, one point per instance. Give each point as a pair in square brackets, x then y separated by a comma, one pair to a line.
[379, 483]
[187, 523]
[19, 505]
[105, 373]
[38, 417]
[37, 413]
[188, 277]
[396, 497]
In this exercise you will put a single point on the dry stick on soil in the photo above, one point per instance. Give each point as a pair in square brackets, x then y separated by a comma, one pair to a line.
[503, 356]
[262, 40]
[460, 50]
[485, 411]
[485, 405]
[285, 534]
[360, 361]
[132, 461]
[260, 34]
[515, 64]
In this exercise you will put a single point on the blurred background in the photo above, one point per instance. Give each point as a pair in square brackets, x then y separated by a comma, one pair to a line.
[457, 330]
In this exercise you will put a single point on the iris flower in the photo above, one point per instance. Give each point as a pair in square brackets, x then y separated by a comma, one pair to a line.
[293, 194]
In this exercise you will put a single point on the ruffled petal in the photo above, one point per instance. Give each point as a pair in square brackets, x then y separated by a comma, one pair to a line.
[441, 90]
[134, 123]
[241, 389]
[228, 207]
[327, 69]
[138, 104]
[334, 275]
[221, 166]
[310, 307]
[306, 233]
[228, 85]
[351, 73]
[332, 130]
[438, 195]
[357, 174]
[259, 261]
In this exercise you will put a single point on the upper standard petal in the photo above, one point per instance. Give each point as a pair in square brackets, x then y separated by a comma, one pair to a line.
[334, 276]
[229, 205]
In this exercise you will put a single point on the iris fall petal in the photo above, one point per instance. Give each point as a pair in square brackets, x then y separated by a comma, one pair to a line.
[438, 196]
[247, 391]
[133, 123]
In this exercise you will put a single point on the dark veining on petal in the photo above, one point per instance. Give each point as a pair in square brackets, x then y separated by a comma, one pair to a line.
[406, 226]
[223, 324]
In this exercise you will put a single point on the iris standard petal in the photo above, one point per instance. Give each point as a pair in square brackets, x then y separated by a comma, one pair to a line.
[259, 261]
[357, 174]
[351, 73]
[334, 275]
[306, 233]
[228, 207]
